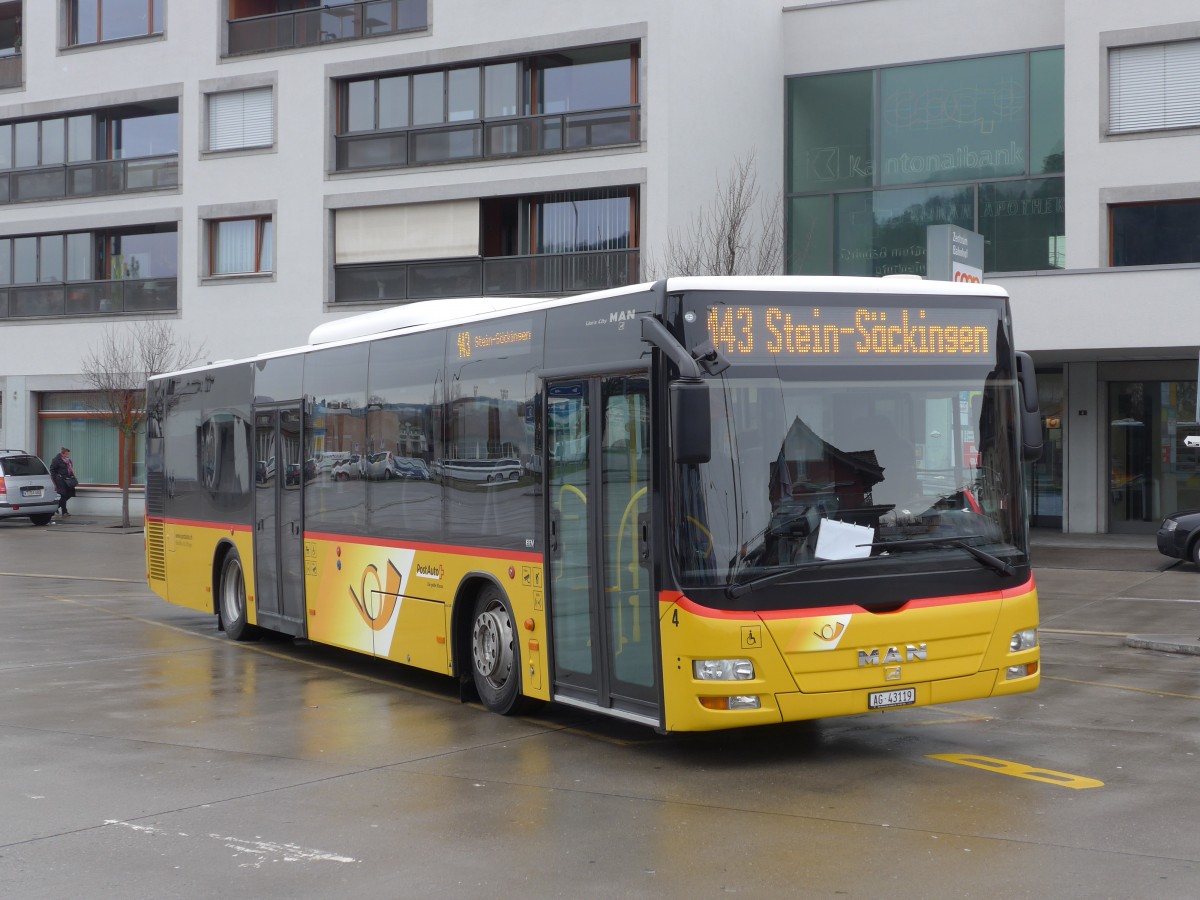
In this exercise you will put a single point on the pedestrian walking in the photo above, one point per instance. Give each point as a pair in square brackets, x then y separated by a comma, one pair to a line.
[62, 470]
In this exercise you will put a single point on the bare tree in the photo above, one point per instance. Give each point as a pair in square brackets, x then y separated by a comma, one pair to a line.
[117, 368]
[738, 233]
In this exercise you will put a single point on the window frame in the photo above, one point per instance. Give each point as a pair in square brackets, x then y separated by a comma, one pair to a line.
[1113, 208]
[72, 39]
[127, 451]
[1131, 37]
[271, 113]
[544, 131]
[1156, 86]
[264, 232]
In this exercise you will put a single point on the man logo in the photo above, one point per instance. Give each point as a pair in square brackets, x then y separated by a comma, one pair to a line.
[912, 653]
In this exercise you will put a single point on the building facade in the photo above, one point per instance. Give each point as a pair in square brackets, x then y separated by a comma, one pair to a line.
[248, 169]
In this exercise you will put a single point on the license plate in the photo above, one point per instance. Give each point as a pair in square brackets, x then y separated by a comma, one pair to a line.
[888, 699]
[31, 492]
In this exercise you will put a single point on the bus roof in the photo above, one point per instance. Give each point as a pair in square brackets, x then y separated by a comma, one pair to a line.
[832, 284]
[426, 314]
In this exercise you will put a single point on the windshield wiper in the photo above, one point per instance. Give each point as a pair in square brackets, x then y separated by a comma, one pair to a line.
[993, 562]
[742, 588]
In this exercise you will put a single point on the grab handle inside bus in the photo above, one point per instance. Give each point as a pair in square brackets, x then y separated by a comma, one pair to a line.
[1031, 413]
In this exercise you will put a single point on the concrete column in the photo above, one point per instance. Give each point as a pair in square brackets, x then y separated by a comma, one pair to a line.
[1086, 479]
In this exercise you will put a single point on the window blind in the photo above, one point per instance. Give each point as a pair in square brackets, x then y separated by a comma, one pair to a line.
[239, 119]
[414, 231]
[1154, 86]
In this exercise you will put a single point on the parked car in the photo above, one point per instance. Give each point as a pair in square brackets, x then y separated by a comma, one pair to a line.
[379, 466]
[350, 467]
[1179, 535]
[26, 488]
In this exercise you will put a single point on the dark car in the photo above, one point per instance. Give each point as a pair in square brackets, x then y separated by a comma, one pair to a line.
[1179, 535]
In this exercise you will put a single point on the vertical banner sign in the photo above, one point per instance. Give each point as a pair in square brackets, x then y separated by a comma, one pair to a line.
[953, 254]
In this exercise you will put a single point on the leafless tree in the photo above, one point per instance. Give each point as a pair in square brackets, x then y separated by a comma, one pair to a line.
[116, 369]
[739, 232]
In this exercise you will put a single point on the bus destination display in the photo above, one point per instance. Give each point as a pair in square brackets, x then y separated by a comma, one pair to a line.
[843, 334]
[511, 339]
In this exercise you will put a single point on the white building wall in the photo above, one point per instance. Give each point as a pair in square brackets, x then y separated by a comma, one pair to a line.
[712, 93]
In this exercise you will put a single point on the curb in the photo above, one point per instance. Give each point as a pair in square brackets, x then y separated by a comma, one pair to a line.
[1167, 643]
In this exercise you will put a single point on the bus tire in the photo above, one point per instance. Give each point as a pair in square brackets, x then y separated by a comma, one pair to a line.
[495, 653]
[231, 599]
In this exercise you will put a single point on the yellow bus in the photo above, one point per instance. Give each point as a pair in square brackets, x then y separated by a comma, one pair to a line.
[696, 504]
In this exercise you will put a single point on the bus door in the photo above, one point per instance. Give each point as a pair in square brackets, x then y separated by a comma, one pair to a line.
[604, 631]
[278, 517]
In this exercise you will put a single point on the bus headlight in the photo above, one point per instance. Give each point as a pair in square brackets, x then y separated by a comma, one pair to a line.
[722, 669]
[1023, 640]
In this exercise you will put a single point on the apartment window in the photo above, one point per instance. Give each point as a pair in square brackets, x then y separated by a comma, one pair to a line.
[73, 419]
[550, 103]
[559, 243]
[95, 21]
[79, 273]
[241, 246]
[104, 151]
[241, 119]
[260, 26]
[1154, 87]
[1155, 234]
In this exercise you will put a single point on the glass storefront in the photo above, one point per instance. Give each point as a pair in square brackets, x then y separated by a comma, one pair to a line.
[975, 142]
[1151, 472]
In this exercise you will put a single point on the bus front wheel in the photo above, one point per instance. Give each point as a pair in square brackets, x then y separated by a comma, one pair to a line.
[495, 653]
[232, 599]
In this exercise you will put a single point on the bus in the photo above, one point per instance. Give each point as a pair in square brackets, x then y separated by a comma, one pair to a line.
[724, 501]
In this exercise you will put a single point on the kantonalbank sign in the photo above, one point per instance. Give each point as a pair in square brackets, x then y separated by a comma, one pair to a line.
[844, 334]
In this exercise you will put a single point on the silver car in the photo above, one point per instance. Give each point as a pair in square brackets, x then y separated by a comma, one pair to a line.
[26, 488]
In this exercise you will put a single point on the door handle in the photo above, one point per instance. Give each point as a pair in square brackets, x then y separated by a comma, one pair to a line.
[644, 538]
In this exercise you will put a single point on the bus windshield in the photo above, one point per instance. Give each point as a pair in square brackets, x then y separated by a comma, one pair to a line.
[912, 463]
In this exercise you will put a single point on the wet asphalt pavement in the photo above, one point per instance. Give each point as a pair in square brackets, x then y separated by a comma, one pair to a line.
[147, 756]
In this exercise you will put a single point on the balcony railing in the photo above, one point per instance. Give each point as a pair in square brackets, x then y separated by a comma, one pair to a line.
[89, 298]
[11, 74]
[326, 24]
[90, 179]
[490, 139]
[558, 273]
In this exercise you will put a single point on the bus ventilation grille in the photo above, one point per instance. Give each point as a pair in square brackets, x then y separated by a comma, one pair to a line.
[156, 494]
[156, 555]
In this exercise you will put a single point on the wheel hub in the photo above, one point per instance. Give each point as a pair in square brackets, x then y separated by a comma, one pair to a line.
[491, 646]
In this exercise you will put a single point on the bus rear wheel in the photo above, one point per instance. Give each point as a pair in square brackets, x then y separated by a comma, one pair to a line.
[231, 594]
[495, 653]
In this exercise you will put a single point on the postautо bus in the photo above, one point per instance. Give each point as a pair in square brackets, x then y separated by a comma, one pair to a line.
[712, 502]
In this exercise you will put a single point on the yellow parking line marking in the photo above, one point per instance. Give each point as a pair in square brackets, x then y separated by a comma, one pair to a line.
[1121, 687]
[1019, 770]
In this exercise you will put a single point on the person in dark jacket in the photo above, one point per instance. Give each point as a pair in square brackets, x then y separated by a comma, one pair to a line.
[62, 470]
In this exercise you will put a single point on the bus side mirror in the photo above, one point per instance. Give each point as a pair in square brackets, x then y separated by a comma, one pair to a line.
[691, 423]
[1031, 414]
